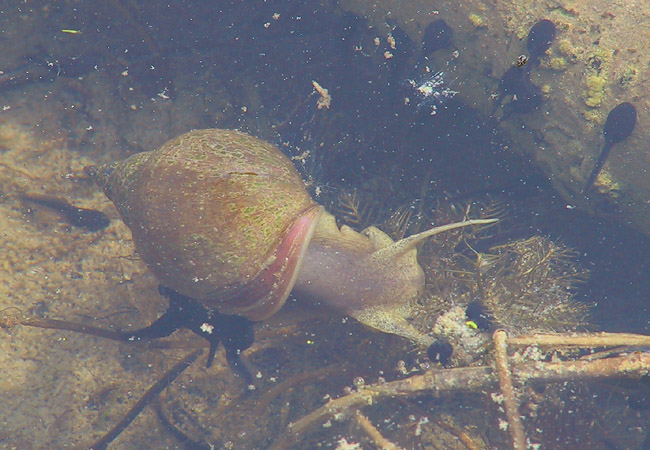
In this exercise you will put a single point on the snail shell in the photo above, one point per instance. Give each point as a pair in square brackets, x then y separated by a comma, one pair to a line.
[217, 215]
[224, 218]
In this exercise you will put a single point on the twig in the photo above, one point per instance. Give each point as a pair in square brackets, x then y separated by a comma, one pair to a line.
[586, 340]
[510, 400]
[289, 383]
[461, 435]
[374, 434]
[152, 393]
[185, 440]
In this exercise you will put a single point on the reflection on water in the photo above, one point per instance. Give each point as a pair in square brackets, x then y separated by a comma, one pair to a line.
[86, 82]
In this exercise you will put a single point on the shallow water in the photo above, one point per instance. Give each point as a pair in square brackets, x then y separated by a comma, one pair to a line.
[87, 82]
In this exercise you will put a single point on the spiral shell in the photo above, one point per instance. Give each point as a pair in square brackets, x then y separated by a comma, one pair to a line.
[217, 215]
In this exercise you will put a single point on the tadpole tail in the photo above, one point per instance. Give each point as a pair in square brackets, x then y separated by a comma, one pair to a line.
[604, 153]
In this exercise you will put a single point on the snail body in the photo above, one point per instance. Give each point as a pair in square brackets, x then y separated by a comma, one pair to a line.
[224, 218]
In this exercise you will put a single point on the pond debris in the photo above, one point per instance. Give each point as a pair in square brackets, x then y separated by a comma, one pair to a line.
[325, 99]
[506, 371]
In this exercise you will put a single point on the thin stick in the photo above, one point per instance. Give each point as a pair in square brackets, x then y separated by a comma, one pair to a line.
[587, 340]
[374, 434]
[461, 435]
[510, 400]
[180, 436]
[152, 393]
[289, 383]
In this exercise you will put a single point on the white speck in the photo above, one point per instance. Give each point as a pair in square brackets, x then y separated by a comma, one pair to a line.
[343, 444]
[391, 41]
[207, 328]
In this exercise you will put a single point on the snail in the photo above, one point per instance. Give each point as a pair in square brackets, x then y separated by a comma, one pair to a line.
[225, 219]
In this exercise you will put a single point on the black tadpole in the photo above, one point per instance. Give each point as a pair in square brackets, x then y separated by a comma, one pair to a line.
[540, 37]
[527, 99]
[234, 332]
[526, 96]
[618, 127]
[440, 351]
[89, 219]
[437, 35]
[478, 315]
[511, 83]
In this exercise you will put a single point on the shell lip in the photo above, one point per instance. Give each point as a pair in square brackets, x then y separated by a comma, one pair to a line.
[263, 296]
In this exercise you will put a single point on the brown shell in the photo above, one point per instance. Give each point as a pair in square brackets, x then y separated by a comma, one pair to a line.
[217, 215]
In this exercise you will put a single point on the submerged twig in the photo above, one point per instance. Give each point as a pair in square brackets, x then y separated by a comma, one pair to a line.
[374, 434]
[289, 383]
[436, 420]
[584, 340]
[180, 436]
[510, 400]
[148, 396]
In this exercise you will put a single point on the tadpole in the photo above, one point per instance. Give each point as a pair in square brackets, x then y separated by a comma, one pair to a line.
[540, 37]
[437, 35]
[618, 127]
[526, 96]
[89, 219]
